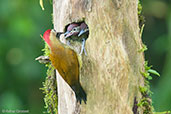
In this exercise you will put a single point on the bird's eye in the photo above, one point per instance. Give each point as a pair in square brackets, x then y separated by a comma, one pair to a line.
[74, 29]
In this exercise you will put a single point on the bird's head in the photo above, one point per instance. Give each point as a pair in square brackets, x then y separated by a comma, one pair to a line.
[84, 29]
[50, 36]
[72, 30]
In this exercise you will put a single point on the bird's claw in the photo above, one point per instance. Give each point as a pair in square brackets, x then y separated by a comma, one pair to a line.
[43, 59]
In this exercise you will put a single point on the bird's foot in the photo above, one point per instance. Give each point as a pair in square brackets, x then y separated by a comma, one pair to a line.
[43, 59]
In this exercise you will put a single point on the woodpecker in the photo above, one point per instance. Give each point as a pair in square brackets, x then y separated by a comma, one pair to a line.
[83, 34]
[72, 31]
[84, 30]
[78, 32]
[65, 60]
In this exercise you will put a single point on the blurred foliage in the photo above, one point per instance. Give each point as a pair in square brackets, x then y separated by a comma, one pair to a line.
[157, 37]
[22, 22]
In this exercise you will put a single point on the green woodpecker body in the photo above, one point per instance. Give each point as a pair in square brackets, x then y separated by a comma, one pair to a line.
[65, 60]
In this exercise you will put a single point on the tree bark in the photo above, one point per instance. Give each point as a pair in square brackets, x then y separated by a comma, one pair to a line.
[110, 73]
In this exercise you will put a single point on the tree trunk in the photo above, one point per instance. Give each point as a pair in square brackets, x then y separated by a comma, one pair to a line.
[110, 73]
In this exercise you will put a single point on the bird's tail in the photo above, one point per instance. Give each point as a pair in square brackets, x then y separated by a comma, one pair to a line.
[80, 93]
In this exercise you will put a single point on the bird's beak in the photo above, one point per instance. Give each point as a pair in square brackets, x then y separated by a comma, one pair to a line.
[81, 32]
[67, 34]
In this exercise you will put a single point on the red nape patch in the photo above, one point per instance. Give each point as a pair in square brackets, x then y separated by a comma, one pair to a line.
[46, 36]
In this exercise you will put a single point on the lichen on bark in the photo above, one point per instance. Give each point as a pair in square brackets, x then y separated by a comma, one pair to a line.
[50, 86]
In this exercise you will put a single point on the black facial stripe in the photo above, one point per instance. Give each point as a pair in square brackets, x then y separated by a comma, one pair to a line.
[58, 34]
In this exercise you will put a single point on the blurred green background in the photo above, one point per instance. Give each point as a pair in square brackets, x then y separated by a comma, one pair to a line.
[157, 37]
[22, 22]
